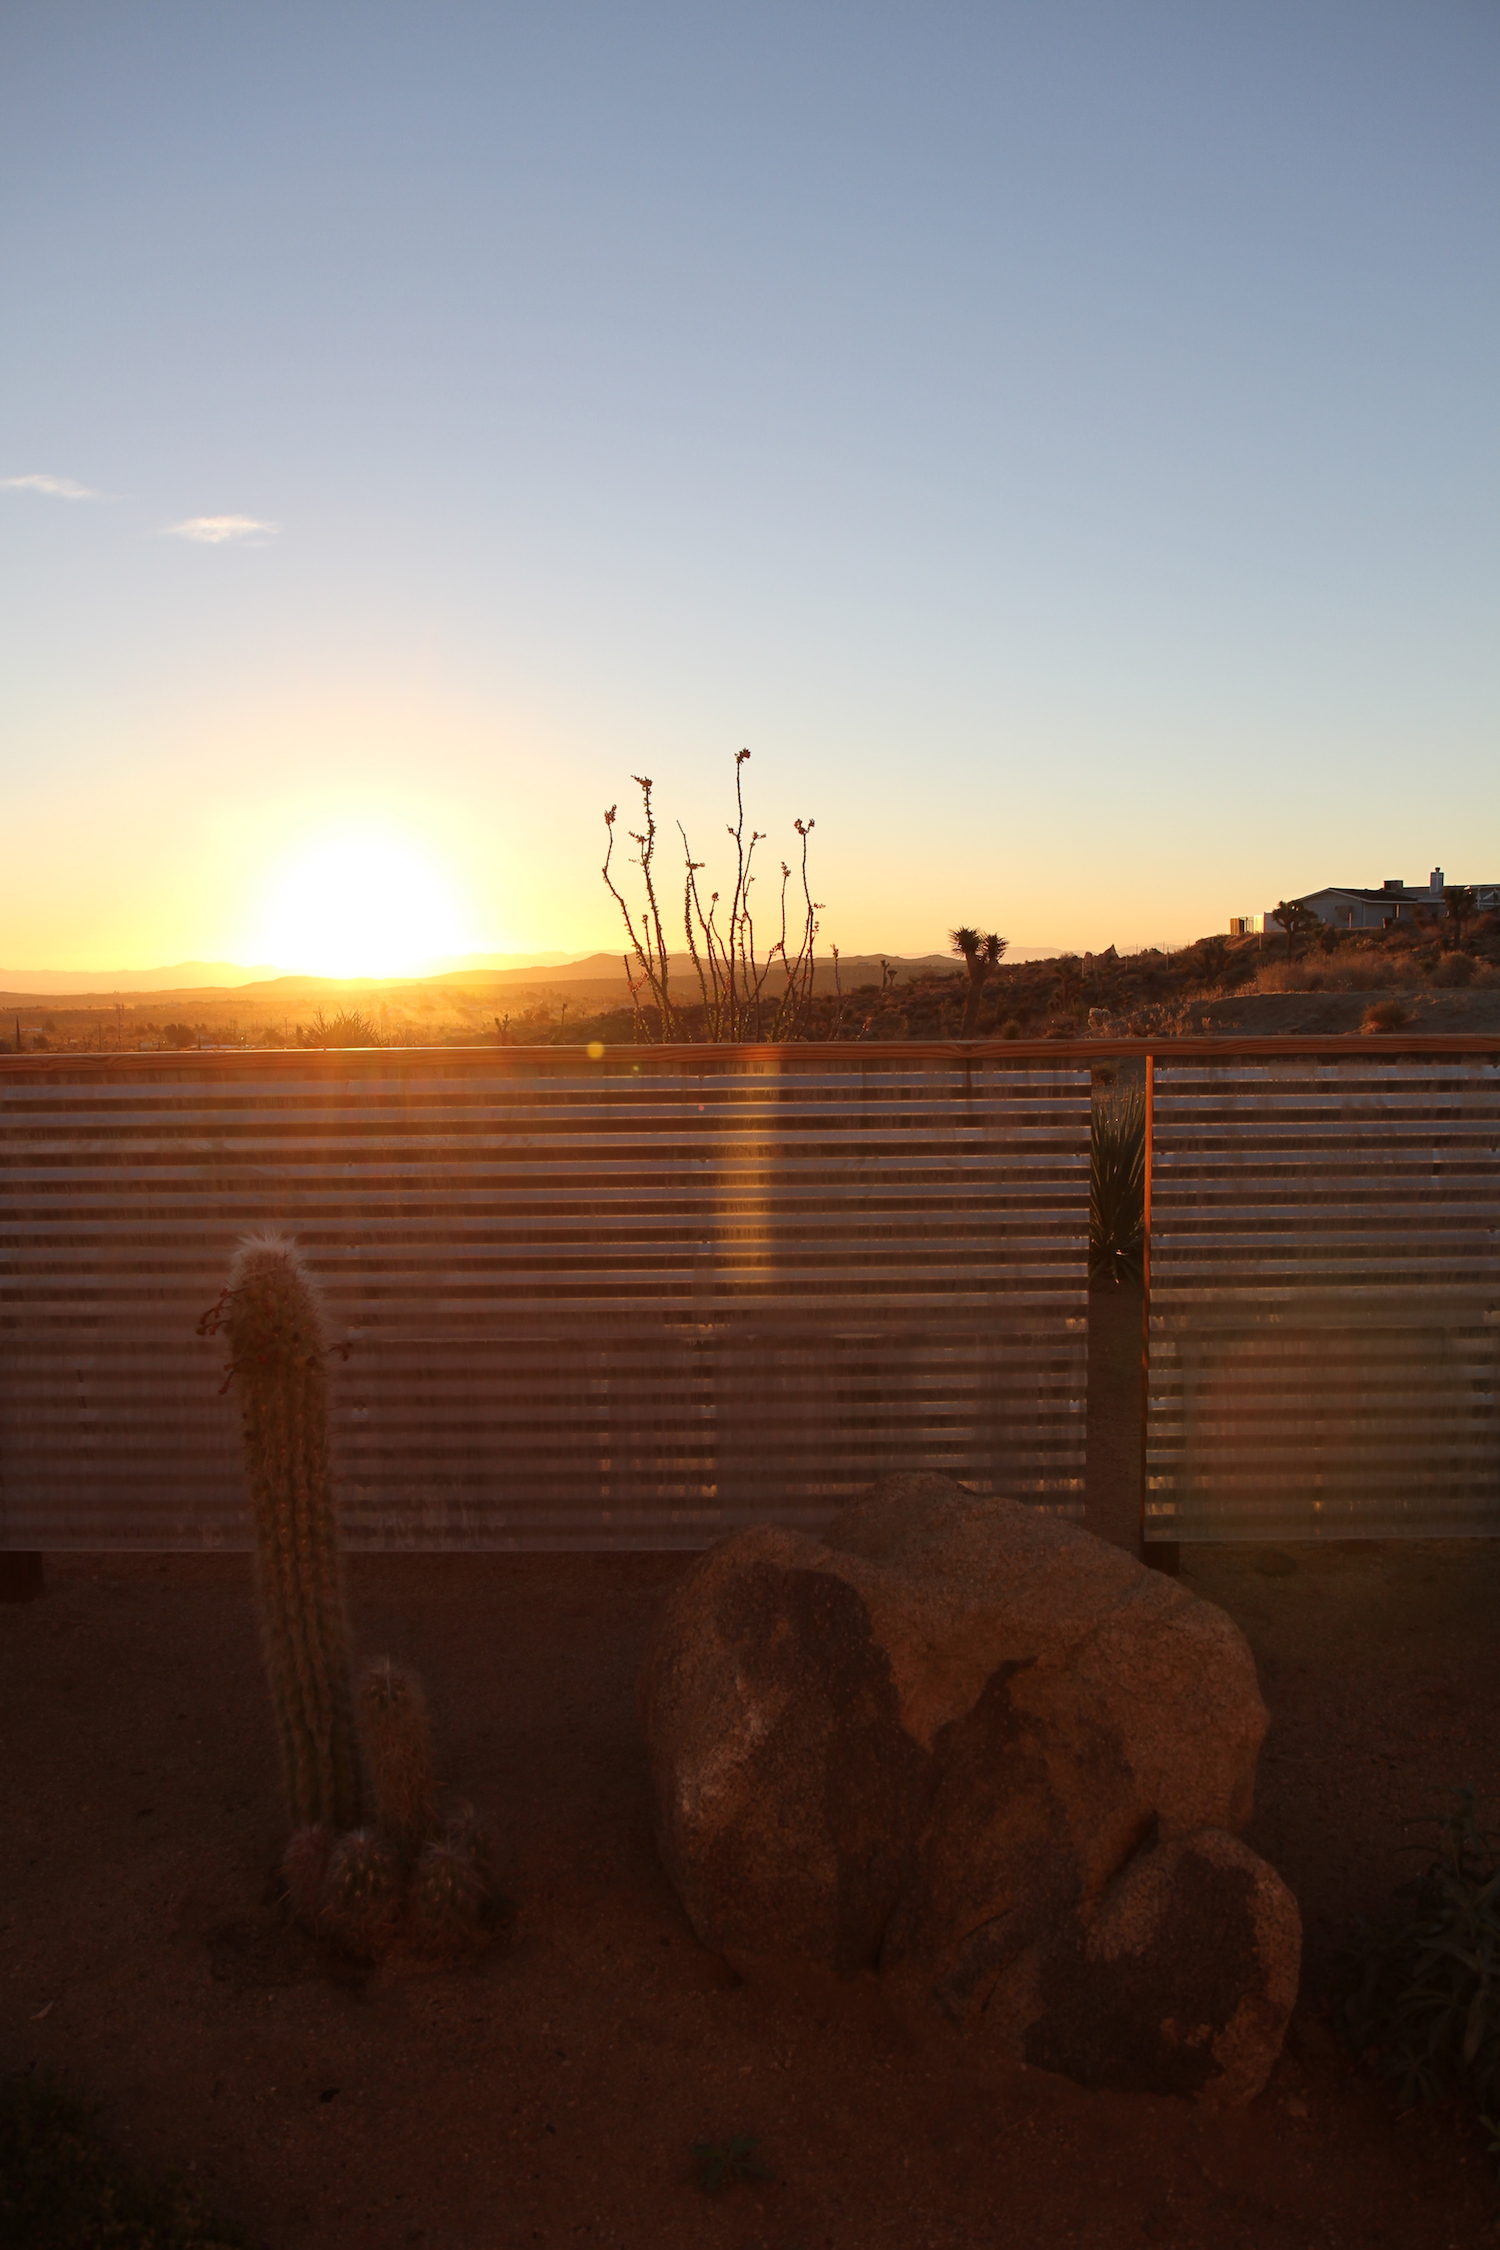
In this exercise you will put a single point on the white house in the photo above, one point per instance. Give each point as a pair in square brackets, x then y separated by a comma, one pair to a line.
[1344, 907]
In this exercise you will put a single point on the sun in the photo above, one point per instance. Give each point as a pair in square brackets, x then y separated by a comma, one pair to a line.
[360, 902]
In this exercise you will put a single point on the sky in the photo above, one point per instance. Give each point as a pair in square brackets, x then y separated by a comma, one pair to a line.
[1057, 437]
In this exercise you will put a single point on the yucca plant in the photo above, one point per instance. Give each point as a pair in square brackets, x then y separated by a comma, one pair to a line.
[1117, 1185]
[1422, 1998]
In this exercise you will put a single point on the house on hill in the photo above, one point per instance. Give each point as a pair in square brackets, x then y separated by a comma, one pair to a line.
[1343, 906]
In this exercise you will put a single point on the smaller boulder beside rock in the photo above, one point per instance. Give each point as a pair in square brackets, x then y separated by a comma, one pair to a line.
[970, 1747]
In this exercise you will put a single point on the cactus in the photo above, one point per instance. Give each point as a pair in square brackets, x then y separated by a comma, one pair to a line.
[361, 1906]
[448, 1905]
[304, 1872]
[398, 1751]
[278, 1348]
[468, 1834]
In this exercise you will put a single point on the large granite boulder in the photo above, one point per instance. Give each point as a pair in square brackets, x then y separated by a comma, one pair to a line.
[975, 1749]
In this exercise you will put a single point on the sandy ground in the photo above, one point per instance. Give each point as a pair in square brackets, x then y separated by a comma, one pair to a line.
[552, 2096]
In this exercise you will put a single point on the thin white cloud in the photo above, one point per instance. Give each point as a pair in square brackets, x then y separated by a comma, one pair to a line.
[61, 488]
[214, 531]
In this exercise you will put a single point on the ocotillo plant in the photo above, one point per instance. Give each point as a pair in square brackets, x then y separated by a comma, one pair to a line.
[742, 992]
[398, 1749]
[278, 1351]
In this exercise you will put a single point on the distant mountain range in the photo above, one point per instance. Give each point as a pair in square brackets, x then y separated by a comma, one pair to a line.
[202, 976]
[587, 977]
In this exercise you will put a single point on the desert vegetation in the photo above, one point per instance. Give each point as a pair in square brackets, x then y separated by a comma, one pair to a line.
[1421, 1997]
[1117, 1184]
[370, 1866]
[777, 985]
[738, 983]
[64, 2186]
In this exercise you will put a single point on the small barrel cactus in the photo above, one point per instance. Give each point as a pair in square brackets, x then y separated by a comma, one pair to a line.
[397, 1738]
[362, 1894]
[448, 1907]
[278, 1348]
[467, 1833]
[304, 1871]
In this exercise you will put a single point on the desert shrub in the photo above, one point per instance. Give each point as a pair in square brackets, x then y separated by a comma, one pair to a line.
[62, 2187]
[1117, 1185]
[1422, 1992]
[1454, 969]
[1386, 1015]
[346, 1028]
[1353, 969]
[721, 2164]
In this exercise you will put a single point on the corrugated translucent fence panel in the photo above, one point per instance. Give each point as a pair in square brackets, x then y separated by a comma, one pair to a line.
[621, 1304]
[1325, 1290]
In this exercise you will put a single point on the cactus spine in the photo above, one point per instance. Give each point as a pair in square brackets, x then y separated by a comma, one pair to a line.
[362, 1894]
[447, 1905]
[278, 1349]
[398, 1749]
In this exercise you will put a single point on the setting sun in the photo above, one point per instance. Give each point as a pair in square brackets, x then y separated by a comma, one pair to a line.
[360, 903]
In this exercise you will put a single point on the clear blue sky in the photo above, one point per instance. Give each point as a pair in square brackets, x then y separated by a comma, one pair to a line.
[1059, 439]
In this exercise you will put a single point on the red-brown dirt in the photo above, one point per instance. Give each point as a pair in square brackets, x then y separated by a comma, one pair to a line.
[552, 2096]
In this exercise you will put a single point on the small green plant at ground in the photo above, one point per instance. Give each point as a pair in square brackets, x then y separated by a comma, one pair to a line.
[62, 2186]
[721, 2164]
[1422, 1993]
[1117, 1185]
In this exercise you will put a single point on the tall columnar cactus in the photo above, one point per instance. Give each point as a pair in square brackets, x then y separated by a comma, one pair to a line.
[398, 1749]
[278, 1349]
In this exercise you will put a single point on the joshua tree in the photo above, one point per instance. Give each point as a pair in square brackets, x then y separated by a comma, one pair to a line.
[1296, 919]
[1460, 902]
[1067, 992]
[980, 955]
[1213, 952]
